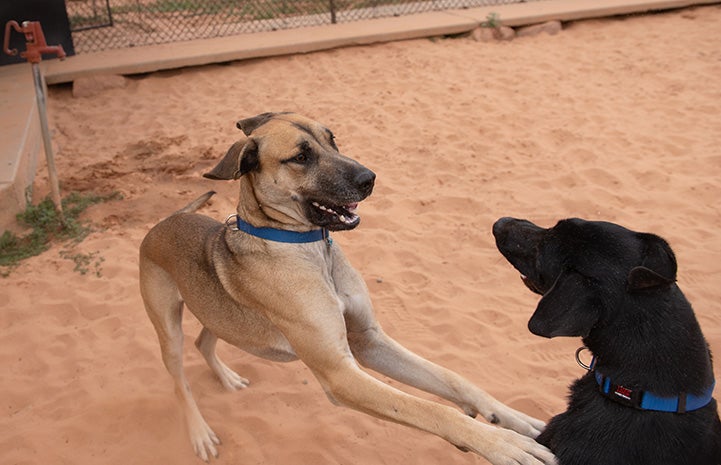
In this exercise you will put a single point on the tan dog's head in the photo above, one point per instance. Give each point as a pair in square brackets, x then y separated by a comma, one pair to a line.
[293, 166]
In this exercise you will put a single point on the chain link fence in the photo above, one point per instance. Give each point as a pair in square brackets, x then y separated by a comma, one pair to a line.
[105, 24]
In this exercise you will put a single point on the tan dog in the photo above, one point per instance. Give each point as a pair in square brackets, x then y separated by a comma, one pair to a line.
[279, 288]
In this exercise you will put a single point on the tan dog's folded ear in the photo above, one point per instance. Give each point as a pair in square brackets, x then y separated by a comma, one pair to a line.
[248, 125]
[241, 158]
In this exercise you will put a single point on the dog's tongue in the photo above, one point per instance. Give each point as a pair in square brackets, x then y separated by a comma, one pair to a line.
[351, 207]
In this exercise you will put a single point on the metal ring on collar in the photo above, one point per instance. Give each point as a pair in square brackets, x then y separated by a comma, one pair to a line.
[578, 358]
[231, 222]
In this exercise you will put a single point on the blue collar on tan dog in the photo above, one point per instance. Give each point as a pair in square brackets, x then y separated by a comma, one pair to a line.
[279, 235]
[645, 400]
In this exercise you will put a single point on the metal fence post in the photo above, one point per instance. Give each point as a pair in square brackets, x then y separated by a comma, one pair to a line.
[36, 46]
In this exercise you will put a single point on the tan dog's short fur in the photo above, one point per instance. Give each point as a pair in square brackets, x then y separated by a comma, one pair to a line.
[286, 301]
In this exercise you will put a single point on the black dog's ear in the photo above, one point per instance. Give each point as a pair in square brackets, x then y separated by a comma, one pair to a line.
[569, 308]
[248, 125]
[658, 267]
[644, 278]
[241, 158]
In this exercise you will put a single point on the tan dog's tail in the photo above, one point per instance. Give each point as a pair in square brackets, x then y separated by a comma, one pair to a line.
[196, 204]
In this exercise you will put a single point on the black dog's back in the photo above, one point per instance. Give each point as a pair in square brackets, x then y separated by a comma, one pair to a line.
[617, 290]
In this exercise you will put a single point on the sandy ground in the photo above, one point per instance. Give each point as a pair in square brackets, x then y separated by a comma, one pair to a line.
[616, 119]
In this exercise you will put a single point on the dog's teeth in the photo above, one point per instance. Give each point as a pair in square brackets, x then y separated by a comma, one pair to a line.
[345, 219]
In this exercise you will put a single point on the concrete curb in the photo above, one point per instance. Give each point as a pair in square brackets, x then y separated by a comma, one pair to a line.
[21, 141]
[310, 39]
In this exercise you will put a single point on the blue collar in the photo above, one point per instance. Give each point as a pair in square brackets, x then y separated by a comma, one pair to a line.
[645, 400]
[280, 235]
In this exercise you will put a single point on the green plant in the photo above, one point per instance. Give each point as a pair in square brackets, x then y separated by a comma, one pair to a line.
[85, 261]
[47, 226]
[493, 20]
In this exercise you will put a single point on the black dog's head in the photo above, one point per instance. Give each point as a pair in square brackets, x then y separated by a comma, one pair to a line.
[583, 269]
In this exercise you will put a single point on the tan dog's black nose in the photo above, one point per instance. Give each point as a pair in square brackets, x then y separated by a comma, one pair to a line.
[365, 179]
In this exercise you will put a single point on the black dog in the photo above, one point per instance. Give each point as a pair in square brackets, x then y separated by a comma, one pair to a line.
[647, 397]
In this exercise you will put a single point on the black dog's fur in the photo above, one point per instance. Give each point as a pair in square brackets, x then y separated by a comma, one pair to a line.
[616, 289]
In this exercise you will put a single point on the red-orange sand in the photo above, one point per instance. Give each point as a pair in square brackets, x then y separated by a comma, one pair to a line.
[616, 119]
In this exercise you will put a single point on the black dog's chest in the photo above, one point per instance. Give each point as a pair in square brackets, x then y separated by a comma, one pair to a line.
[597, 431]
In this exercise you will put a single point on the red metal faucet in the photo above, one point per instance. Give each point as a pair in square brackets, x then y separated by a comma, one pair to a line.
[35, 38]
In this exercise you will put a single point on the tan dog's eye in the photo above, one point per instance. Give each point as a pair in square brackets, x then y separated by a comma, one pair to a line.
[332, 140]
[303, 157]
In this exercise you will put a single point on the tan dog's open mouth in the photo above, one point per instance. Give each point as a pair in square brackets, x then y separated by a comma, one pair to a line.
[335, 217]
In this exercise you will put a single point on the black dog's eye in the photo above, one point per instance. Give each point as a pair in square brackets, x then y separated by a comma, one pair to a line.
[590, 280]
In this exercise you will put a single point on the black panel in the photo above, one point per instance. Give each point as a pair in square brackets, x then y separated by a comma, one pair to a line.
[52, 16]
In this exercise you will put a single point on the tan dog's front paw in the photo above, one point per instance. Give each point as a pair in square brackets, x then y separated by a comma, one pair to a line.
[508, 418]
[510, 448]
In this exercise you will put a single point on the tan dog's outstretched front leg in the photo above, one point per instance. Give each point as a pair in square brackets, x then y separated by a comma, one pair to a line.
[345, 383]
[374, 349]
[377, 351]
[350, 386]
[310, 315]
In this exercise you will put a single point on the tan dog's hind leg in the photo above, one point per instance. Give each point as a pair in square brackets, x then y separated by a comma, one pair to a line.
[165, 309]
[206, 345]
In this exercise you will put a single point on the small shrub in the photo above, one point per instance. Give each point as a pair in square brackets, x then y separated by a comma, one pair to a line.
[84, 262]
[493, 20]
[47, 226]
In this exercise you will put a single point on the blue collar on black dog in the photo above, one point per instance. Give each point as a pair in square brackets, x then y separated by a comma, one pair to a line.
[645, 400]
[282, 235]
